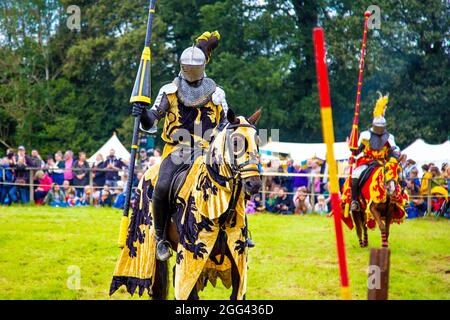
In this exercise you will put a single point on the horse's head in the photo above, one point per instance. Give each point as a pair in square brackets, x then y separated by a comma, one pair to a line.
[241, 152]
[393, 174]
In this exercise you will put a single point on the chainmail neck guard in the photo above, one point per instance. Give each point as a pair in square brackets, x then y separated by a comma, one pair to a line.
[191, 96]
[377, 141]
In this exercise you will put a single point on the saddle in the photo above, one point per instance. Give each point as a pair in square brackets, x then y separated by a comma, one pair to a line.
[179, 177]
[365, 177]
[367, 173]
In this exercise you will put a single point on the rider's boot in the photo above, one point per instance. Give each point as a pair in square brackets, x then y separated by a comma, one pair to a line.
[160, 214]
[354, 206]
[250, 242]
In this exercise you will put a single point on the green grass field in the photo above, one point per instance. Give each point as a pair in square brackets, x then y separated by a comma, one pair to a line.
[294, 257]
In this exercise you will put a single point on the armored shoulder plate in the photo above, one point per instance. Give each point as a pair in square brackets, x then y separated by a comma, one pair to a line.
[391, 140]
[365, 136]
[218, 98]
[191, 96]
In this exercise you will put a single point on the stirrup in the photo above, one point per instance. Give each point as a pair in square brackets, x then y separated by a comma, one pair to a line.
[163, 251]
[250, 242]
[354, 206]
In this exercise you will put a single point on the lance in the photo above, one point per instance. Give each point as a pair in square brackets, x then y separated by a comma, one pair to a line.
[328, 135]
[141, 94]
[353, 142]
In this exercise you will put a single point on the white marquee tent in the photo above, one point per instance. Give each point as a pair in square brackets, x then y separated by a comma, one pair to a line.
[112, 143]
[304, 151]
[422, 152]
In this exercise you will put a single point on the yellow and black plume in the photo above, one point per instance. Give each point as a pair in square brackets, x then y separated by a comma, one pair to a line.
[207, 42]
[380, 106]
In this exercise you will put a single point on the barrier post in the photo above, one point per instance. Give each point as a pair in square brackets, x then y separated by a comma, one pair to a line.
[378, 277]
[429, 197]
[263, 188]
[313, 191]
[31, 186]
[91, 186]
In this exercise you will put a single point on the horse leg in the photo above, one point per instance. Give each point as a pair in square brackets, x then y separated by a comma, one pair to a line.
[366, 237]
[358, 225]
[389, 215]
[376, 211]
[235, 276]
[161, 281]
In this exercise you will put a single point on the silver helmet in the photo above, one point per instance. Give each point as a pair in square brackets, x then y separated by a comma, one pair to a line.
[192, 64]
[379, 125]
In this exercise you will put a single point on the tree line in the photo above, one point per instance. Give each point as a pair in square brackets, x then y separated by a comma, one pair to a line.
[63, 88]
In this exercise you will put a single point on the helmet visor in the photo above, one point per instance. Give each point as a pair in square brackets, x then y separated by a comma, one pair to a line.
[192, 73]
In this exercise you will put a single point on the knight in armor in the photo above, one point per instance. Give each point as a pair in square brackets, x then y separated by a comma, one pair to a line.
[376, 145]
[192, 103]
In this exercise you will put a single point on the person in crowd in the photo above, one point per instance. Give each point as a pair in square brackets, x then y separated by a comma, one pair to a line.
[65, 188]
[143, 160]
[119, 202]
[44, 185]
[80, 170]
[98, 173]
[68, 163]
[98, 194]
[55, 197]
[73, 200]
[250, 206]
[301, 201]
[413, 183]
[436, 178]
[58, 169]
[22, 173]
[270, 200]
[300, 181]
[417, 205]
[105, 199]
[314, 181]
[49, 166]
[283, 203]
[259, 205]
[137, 178]
[289, 180]
[409, 165]
[157, 154]
[114, 165]
[426, 179]
[270, 183]
[85, 199]
[122, 183]
[8, 191]
[321, 206]
[37, 159]
[446, 174]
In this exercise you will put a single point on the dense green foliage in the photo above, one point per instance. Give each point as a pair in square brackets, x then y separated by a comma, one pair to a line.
[68, 89]
[294, 257]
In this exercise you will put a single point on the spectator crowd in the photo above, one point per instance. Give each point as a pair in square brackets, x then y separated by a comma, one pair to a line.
[308, 193]
[63, 180]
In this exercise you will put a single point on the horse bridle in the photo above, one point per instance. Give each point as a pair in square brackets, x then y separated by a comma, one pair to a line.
[236, 170]
[384, 174]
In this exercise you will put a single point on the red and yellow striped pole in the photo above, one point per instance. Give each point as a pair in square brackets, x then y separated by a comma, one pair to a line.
[328, 135]
[353, 142]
